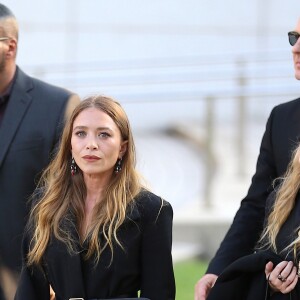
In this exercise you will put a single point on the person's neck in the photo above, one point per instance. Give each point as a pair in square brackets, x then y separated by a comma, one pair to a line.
[6, 78]
[95, 187]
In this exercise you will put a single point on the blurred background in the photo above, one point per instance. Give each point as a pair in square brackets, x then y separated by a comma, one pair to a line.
[197, 78]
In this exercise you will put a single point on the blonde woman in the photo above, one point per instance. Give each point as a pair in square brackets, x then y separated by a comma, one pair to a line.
[282, 232]
[270, 272]
[94, 232]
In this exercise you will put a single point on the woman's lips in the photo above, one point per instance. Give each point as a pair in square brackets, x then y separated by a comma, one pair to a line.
[91, 157]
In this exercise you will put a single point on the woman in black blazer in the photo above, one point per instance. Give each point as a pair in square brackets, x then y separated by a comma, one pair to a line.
[281, 233]
[94, 232]
[271, 272]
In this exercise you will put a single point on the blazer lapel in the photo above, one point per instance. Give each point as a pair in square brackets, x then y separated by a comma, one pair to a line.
[75, 284]
[75, 287]
[76, 266]
[17, 106]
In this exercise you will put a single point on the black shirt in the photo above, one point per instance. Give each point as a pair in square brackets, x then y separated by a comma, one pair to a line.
[5, 98]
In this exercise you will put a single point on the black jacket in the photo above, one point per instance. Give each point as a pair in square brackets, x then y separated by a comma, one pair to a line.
[280, 139]
[29, 131]
[145, 264]
[245, 279]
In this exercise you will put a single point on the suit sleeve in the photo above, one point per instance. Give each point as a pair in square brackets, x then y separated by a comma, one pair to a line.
[33, 283]
[157, 277]
[248, 222]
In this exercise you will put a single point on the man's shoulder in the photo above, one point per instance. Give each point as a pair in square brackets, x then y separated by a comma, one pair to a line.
[284, 120]
[39, 87]
[288, 106]
[42, 86]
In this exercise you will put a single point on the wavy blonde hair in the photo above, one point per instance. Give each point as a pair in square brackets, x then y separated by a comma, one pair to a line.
[283, 205]
[64, 195]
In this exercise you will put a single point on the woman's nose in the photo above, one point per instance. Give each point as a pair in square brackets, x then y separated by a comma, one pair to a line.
[92, 144]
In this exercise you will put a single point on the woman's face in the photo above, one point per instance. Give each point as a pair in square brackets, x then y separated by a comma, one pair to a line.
[96, 142]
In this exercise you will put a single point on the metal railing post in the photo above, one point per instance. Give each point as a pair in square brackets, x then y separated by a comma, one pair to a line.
[241, 119]
[209, 156]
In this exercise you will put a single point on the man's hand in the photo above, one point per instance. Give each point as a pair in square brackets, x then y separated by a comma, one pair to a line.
[203, 286]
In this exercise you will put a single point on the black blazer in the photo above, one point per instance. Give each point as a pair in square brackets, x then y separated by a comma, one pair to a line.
[245, 279]
[145, 265]
[280, 139]
[29, 131]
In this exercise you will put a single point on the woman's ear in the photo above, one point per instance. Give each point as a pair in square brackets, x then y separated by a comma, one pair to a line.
[123, 148]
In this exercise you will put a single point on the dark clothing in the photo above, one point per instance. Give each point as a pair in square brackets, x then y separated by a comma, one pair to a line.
[280, 139]
[2, 297]
[288, 231]
[29, 131]
[3, 104]
[245, 279]
[145, 264]
[5, 97]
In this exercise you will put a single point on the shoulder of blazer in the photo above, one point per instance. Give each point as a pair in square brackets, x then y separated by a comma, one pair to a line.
[150, 206]
[285, 125]
[36, 86]
[289, 108]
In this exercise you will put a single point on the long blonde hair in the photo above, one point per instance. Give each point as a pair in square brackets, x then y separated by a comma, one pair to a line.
[284, 203]
[63, 195]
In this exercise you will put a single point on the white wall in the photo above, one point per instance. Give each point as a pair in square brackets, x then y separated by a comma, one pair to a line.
[73, 31]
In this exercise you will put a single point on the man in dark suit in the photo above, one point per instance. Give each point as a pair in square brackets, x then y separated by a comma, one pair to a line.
[281, 137]
[31, 117]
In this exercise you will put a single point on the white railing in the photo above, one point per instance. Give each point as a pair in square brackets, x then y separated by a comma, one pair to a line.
[237, 91]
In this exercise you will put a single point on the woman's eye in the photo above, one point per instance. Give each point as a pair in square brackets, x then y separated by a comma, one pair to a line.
[103, 134]
[80, 133]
